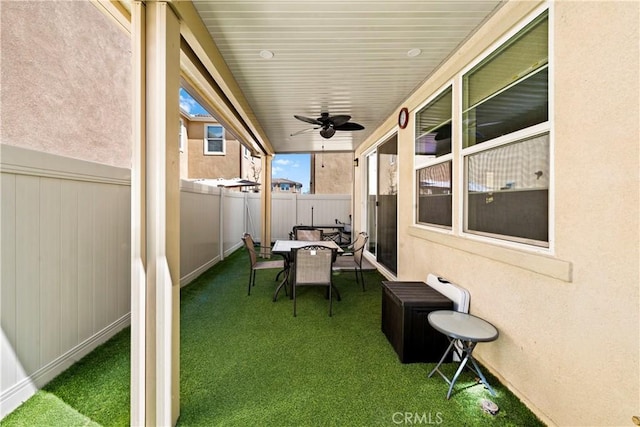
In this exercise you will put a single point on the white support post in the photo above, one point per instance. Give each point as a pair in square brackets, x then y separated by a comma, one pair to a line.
[221, 223]
[155, 215]
[138, 214]
[265, 200]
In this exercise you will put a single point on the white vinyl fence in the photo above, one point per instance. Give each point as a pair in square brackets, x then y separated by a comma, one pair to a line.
[65, 265]
[65, 255]
[289, 209]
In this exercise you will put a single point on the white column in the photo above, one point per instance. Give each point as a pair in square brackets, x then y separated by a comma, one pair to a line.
[221, 222]
[265, 202]
[138, 224]
[155, 215]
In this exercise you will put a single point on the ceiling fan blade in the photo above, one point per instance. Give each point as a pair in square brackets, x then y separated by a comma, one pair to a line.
[308, 120]
[339, 120]
[349, 126]
[303, 131]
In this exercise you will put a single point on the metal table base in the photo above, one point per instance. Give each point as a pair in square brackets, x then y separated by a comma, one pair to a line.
[466, 356]
[464, 332]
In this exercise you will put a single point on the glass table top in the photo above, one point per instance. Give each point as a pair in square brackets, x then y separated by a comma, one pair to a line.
[463, 326]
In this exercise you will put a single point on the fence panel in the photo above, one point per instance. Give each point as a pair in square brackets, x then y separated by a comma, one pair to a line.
[234, 219]
[283, 214]
[199, 229]
[289, 209]
[323, 209]
[65, 265]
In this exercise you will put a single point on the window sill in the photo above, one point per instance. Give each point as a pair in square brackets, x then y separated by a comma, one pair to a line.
[538, 263]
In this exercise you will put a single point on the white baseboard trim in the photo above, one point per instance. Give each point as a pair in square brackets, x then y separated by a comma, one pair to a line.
[232, 249]
[185, 280]
[14, 396]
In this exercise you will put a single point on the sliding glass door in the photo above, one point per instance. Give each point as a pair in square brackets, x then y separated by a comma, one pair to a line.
[372, 201]
[387, 206]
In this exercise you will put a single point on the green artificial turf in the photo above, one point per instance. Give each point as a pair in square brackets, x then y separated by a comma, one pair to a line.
[246, 361]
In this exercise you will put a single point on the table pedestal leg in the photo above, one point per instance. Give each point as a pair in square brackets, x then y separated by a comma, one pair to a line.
[284, 282]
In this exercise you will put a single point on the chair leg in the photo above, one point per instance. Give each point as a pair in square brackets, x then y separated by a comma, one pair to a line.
[293, 291]
[330, 300]
[252, 280]
[361, 277]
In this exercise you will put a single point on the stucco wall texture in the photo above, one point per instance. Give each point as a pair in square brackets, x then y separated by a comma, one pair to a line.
[333, 173]
[65, 81]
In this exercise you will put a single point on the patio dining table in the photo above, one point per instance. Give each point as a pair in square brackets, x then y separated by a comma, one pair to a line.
[284, 247]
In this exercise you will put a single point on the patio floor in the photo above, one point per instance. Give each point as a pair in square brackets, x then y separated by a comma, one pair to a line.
[246, 361]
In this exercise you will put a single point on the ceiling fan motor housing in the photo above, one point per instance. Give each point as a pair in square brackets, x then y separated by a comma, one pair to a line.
[327, 131]
[329, 124]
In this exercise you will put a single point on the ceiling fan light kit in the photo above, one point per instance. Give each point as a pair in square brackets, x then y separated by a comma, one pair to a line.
[328, 132]
[328, 125]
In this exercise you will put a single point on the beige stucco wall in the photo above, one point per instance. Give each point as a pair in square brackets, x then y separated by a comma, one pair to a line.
[64, 90]
[569, 317]
[333, 173]
[211, 166]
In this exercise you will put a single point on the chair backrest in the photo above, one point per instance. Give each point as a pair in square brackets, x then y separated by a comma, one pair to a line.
[310, 234]
[312, 265]
[250, 245]
[358, 247]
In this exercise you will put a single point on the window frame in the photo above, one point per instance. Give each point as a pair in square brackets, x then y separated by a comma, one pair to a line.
[424, 162]
[206, 140]
[182, 134]
[459, 154]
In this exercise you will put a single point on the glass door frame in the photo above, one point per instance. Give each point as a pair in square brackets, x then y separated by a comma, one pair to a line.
[370, 207]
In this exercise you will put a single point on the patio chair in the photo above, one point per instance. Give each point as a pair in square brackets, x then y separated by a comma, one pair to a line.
[351, 259]
[311, 234]
[259, 265]
[312, 267]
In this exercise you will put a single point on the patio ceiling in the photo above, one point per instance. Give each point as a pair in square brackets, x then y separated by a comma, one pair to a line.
[342, 57]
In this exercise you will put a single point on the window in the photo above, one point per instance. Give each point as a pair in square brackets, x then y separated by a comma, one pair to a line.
[506, 100]
[508, 91]
[508, 190]
[434, 194]
[503, 153]
[433, 128]
[433, 161]
[214, 140]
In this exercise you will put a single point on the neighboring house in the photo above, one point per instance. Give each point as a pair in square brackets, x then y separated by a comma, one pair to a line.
[208, 151]
[332, 173]
[281, 185]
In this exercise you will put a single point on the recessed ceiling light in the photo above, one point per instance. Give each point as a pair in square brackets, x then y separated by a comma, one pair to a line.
[412, 53]
[266, 54]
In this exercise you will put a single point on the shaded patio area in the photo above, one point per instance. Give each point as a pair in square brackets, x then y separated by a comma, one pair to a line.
[247, 361]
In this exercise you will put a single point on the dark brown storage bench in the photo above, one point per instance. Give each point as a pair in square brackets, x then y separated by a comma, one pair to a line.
[405, 306]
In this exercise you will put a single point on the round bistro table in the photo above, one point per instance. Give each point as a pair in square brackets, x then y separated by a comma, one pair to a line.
[467, 330]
